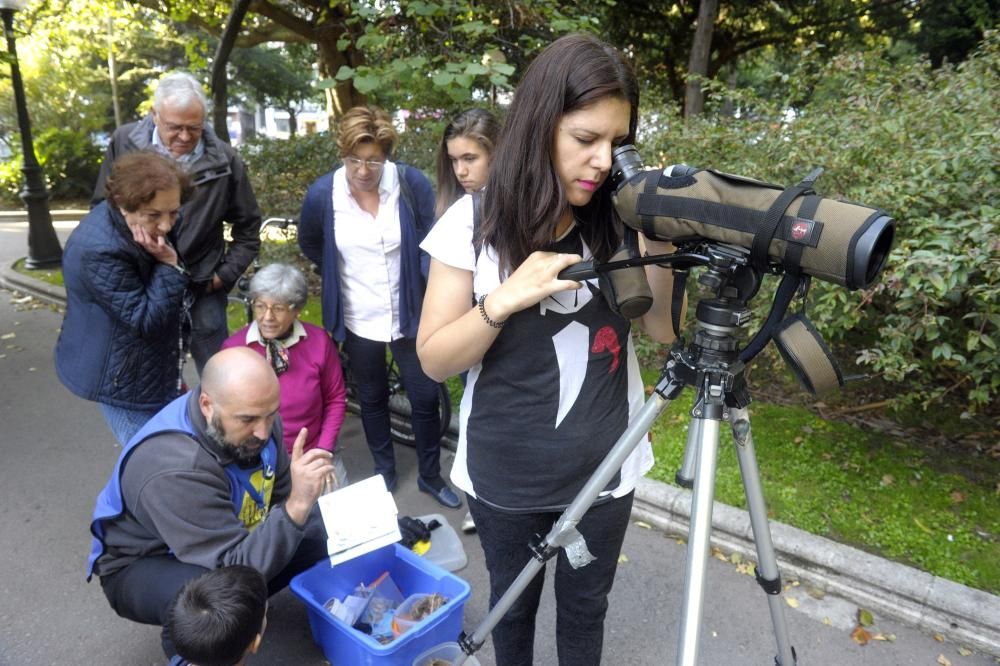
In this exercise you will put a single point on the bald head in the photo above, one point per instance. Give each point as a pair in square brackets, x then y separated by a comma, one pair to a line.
[235, 374]
[239, 399]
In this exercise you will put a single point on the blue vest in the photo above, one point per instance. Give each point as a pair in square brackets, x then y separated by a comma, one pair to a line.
[174, 418]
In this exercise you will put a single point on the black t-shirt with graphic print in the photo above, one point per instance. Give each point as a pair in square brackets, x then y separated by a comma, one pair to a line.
[551, 399]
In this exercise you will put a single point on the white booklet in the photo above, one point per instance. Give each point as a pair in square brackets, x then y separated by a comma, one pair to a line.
[359, 518]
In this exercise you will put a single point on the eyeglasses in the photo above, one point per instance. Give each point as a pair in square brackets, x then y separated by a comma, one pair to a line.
[277, 309]
[355, 163]
[171, 128]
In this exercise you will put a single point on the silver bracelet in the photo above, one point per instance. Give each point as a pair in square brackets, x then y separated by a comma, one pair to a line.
[486, 317]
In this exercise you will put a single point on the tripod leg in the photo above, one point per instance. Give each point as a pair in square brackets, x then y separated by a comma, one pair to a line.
[698, 539]
[563, 533]
[768, 576]
[685, 475]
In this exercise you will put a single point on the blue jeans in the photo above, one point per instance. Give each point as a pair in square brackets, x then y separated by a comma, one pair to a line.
[581, 594]
[124, 422]
[368, 367]
[209, 328]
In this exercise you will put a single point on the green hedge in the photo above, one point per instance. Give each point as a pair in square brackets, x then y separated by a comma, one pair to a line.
[70, 162]
[920, 143]
[282, 169]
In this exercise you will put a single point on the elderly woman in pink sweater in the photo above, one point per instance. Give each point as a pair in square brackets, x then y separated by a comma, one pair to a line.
[303, 356]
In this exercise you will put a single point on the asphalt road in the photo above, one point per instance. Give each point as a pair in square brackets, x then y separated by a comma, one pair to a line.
[56, 453]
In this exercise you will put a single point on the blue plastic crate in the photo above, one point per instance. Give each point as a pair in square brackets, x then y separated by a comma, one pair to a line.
[345, 646]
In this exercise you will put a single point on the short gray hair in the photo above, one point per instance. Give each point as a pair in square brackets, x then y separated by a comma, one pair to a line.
[282, 282]
[182, 89]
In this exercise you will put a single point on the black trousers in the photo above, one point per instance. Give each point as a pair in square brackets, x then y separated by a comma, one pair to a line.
[368, 365]
[143, 591]
[581, 594]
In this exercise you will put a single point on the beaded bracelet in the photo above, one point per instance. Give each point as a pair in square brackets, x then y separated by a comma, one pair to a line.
[486, 317]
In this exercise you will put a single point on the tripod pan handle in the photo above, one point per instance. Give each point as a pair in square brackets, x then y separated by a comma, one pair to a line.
[581, 271]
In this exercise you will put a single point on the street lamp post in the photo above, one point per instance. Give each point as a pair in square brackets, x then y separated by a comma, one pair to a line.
[44, 250]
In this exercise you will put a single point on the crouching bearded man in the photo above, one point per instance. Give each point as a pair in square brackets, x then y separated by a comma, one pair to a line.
[208, 483]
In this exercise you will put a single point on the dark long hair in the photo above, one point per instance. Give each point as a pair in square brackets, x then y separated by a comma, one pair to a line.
[522, 205]
[477, 124]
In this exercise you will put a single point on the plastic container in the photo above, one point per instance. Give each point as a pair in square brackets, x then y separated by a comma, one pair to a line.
[447, 652]
[344, 645]
[446, 546]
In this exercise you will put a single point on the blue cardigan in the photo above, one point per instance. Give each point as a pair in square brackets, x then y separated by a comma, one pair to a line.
[319, 244]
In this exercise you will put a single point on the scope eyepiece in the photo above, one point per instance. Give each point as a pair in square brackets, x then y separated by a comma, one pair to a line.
[625, 164]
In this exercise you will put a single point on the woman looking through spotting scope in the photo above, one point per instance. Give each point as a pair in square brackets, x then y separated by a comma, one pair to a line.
[553, 378]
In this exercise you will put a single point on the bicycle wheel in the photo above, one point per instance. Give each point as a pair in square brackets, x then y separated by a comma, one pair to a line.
[400, 423]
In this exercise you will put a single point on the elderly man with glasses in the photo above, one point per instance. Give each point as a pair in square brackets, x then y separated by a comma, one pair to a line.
[176, 127]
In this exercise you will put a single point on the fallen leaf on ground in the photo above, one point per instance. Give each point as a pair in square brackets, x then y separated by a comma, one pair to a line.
[922, 526]
[643, 525]
[957, 497]
[939, 638]
[735, 558]
[8, 336]
[791, 601]
[745, 568]
[622, 558]
[815, 592]
[719, 555]
[964, 651]
[943, 660]
[860, 636]
[887, 480]
[865, 618]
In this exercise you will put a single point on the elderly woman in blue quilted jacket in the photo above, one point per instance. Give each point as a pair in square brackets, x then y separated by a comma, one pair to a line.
[122, 342]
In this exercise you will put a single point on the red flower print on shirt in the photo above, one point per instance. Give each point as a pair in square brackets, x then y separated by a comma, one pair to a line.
[607, 340]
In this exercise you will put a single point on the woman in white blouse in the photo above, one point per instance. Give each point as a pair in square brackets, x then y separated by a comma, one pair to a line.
[362, 224]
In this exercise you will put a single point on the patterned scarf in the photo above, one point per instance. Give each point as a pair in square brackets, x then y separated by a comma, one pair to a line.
[277, 355]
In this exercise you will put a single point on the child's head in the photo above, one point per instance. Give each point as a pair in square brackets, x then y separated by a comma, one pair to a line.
[464, 155]
[218, 618]
[576, 102]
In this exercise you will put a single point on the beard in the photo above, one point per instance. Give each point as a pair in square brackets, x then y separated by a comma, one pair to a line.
[245, 453]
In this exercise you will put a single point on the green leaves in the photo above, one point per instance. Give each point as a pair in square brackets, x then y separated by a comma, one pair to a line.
[917, 142]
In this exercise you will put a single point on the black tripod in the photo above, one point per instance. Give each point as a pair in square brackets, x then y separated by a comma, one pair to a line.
[712, 365]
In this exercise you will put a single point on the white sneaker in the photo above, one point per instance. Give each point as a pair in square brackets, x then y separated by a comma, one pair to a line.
[468, 526]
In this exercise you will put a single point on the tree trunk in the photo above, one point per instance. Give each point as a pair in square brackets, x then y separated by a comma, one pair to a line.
[113, 73]
[701, 49]
[220, 82]
[293, 123]
[342, 96]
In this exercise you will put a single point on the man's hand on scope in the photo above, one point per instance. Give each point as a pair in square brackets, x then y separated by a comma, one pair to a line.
[309, 472]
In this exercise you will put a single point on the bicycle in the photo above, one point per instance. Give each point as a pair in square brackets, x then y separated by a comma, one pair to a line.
[240, 313]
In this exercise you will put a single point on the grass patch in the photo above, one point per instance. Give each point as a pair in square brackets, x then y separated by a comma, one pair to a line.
[50, 275]
[889, 497]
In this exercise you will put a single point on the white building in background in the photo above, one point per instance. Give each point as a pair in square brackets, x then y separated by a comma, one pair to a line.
[276, 123]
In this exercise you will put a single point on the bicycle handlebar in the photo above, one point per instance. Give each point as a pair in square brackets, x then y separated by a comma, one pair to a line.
[279, 222]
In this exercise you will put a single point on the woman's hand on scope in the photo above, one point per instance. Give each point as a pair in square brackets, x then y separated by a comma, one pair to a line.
[533, 280]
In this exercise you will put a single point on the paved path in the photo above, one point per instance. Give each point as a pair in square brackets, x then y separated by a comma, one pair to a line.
[57, 452]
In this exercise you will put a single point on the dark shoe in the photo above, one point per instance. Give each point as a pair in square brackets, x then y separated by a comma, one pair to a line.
[390, 482]
[444, 495]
